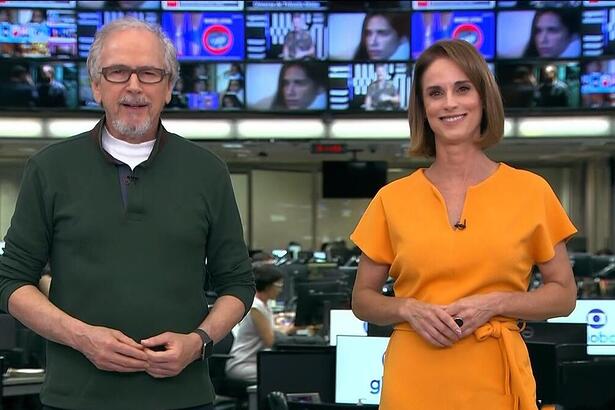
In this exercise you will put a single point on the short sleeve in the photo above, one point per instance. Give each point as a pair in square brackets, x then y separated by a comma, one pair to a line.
[371, 234]
[553, 226]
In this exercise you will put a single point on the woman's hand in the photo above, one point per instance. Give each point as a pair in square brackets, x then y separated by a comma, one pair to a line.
[474, 310]
[432, 322]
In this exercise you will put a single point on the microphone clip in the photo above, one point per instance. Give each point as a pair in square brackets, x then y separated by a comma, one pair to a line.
[460, 225]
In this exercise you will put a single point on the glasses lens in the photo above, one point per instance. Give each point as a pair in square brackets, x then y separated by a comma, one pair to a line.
[117, 74]
[150, 75]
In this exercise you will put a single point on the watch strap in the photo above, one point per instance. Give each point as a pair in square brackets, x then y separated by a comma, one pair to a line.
[208, 344]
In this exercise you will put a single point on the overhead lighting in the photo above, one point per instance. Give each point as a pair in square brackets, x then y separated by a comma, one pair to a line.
[565, 127]
[376, 129]
[286, 129]
[199, 129]
[69, 126]
[21, 127]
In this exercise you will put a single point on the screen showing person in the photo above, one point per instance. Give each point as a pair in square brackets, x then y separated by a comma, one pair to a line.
[289, 36]
[296, 86]
[88, 22]
[598, 84]
[38, 33]
[205, 36]
[518, 85]
[206, 87]
[369, 87]
[34, 84]
[558, 84]
[475, 27]
[598, 32]
[453, 5]
[119, 4]
[545, 33]
[210, 5]
[374, 36]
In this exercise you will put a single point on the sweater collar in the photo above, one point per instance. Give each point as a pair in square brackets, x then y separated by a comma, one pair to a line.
[161, 139]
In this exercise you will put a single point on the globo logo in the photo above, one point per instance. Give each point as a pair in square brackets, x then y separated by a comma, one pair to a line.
[217, 39]
[596, 318]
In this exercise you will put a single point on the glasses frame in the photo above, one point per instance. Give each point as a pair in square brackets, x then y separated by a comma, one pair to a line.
[105, 71]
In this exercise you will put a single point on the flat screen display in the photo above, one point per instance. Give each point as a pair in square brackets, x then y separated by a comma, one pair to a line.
[210, 5]
[598, 84]
[359, 366]
[353, 179]
[453, 5]
[598, 32]
[342, 322]
[599, 315]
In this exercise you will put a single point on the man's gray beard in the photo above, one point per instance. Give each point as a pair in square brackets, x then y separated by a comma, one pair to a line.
[130, 130]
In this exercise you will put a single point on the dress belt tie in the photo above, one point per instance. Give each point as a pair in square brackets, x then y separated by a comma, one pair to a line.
[518, 382]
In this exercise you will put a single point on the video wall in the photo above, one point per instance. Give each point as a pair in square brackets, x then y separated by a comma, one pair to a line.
[316, 56]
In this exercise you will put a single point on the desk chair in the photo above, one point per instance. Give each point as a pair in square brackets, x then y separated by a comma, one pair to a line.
[234, 390]
[277, 401]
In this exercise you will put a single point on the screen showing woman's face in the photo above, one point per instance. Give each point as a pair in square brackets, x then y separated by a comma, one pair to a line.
[551, 36]
[381, 40]
[299, 90]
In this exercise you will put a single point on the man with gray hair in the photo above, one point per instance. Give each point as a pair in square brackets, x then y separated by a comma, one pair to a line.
[130, 217]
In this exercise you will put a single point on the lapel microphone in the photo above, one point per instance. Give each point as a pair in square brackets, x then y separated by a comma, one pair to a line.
[460, 225]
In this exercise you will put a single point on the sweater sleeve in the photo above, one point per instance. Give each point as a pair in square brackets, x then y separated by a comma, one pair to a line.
[28, 239]
[228, 262]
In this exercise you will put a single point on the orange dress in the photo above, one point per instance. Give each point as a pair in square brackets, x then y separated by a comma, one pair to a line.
[513, 220]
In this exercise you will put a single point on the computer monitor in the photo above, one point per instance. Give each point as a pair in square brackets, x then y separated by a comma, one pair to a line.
[297, 371]
[359, 365]
[342, 322]
[311, 306]
[599, 315]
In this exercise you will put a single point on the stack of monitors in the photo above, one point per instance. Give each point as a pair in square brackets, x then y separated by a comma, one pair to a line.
[316, 56]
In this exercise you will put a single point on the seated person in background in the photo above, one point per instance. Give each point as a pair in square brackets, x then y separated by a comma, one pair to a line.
[256, 330]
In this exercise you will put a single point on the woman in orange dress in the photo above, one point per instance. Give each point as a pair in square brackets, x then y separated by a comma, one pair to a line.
[460, 239]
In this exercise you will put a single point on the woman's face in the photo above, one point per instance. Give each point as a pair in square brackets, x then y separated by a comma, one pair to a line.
[550, 35]
[298, 89]
[381, 40]
[452, 104]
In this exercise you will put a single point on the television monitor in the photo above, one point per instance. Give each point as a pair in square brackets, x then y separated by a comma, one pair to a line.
[353, 179]
[286, 5]
[369, 87]
[208, 87]
[205, 35]
[86, 98]
[298, 35]
[376, 36]
[296, 371]
[475, 27]
[291, 86]
[312, 305]
[538, 4]
[38, 33]
[599, 3]
[60, 4]
[210, 5]
[88, 22]
[453, 5]
[33, 84]
[342, 322]
[123, 5]
[359, 366]
[598, 314]
[520, 43]
[598, 28]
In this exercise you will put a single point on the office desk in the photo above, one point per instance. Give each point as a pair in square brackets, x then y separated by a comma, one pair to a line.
[22, 385]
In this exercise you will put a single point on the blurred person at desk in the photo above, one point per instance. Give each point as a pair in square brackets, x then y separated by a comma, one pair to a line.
[257, 331]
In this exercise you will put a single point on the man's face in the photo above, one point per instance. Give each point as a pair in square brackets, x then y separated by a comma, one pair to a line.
[132, 108]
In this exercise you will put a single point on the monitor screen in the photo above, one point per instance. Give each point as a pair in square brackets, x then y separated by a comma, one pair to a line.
[34, 84]
[38, 33]
[359, 365]
[599, 315]
[292, 86]
[124, 5]
[475, 27]
[286, 5]
[210, 5]
[375, 36]
[538, 4]
[369, 87]
[532, 36]
[286, 36]
[342, 322]
[70, 4]
[205, 36]
[598, 32]
[599, 3]
[353, 179]
[598, 84]
[453, 5]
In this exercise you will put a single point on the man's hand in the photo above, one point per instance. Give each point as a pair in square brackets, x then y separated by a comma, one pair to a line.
[474, 310]
[179, 351]
[111, 350]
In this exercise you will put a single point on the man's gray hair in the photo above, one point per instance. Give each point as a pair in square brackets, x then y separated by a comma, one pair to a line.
[171, 65]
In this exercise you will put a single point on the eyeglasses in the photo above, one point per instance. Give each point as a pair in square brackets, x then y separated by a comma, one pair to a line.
[121, 74]
[278, 285]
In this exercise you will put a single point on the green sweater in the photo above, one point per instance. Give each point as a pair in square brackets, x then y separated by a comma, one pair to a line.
[137, 267]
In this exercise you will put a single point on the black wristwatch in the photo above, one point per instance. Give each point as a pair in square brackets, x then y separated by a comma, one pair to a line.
[208, 344]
